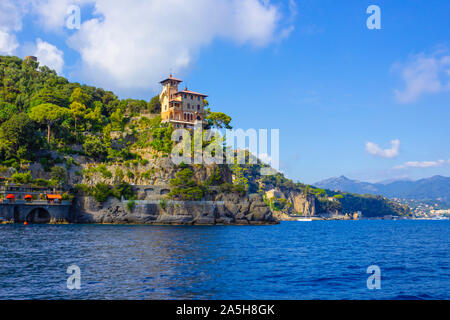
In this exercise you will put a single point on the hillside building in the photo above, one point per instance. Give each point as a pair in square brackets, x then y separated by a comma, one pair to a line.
[184, 108]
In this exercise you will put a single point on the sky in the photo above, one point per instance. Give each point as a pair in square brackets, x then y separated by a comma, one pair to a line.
[370, 104]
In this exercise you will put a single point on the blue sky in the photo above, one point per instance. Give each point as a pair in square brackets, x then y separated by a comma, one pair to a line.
[309, 68]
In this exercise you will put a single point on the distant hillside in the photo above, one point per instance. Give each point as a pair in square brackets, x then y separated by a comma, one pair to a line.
[434, 188]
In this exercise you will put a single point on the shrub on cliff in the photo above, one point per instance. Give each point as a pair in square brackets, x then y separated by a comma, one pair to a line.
[59, 174]
[22, 178]
[101, 192]
[95, 148]
[184, 187]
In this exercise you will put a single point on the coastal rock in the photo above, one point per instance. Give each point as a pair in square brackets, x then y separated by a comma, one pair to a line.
[228, 209]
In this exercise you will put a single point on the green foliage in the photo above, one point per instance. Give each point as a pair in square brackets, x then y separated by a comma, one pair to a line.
[43, 183]
[326, 206]
[184, 187]
[58, 174]
[215, 177]
[22, 178]
[94, 147]
[106, 174]
[154, 106]
[240, 180]
[162, 139]
[319, 192]
[48, 114]
[217, 120]
[18, 138]
[79, 96]
[123, 189]
[131, 205]
[101, 192]
[83, 189]
[229, 188]
[279, 204]
[163, 203]
[117, 120]
[119, 174]
[372, 206]
[66, 111]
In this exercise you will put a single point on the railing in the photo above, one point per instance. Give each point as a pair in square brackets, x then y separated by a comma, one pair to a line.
[38, 202]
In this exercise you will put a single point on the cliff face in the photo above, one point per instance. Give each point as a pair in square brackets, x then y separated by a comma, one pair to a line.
[305, 205]
[228, 209]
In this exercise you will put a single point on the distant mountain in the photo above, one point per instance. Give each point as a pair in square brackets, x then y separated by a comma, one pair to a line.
[434, 188]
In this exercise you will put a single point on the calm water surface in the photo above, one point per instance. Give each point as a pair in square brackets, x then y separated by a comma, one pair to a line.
[294, 260]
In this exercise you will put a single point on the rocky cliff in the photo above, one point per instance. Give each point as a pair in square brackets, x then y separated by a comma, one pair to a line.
[228, 209]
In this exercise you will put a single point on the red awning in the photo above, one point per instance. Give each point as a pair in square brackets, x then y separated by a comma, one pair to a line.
[28, 196]
[10, 196]
[54, 197]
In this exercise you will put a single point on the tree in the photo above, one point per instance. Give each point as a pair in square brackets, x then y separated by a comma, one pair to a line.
[117, 120]
[218, 119]
[22, 178]
[18, 137]
[95, 148]
[77, 111]
[184, 187]
[240, 180]
[49, 95]
[48, 114]
[78, 95]
[59, 174]
[154, 106]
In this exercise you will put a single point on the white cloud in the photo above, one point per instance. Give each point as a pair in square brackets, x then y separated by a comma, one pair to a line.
[423, 75]
[52, 14]
[49, 55]
[11, 14]
[133, 44]
[8, 43]
[376, 150]
[422, 164]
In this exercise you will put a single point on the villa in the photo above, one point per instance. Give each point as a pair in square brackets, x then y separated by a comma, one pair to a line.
[183, 109]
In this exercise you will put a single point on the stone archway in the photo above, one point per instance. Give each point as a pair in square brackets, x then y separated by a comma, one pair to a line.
[38, 215]
[164, 191]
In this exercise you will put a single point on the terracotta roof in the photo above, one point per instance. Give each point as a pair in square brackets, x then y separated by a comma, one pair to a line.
[54, 196]
[171, 78]
[192, 92]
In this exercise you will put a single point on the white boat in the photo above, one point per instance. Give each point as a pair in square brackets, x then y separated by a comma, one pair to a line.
[304, 219]
[439, 218]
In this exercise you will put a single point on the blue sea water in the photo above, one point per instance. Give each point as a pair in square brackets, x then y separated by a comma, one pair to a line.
[293, 260]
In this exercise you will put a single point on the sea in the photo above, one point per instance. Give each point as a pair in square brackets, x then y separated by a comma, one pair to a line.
[404, 259]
